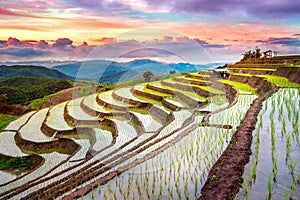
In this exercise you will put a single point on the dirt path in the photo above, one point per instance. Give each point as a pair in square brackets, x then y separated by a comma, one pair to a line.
[225, 177]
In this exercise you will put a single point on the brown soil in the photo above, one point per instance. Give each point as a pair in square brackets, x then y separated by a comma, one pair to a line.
[15, 110]
[63, 96]
[225, 177]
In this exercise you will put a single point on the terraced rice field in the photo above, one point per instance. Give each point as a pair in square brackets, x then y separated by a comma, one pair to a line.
[157, 140]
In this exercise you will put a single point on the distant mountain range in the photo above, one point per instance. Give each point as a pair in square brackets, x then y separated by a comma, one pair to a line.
[30, 71]
[111, 72]
[102, 71]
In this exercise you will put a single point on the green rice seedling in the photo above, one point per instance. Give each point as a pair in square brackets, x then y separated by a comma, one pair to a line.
[275, 168]
[286, 194]
[289, 112]
[109, 186]
[269, 187]
[196, 187]
[178, 192]
[280, 112]
[283, 128]
[186, 185]
[139, 187]
[273, 141]
[166, 177]
[246, 188]
[148, 191]
[92, 194]
[153, 184]
[250, 177]
[160, 174]
[121, 188]
[187, 195]
[170, 194]
[260, 120]
[115, 194]
[288, 147]
[293, 166]
[254, 167]
[105, 195]
[160, 190]
[293, 188]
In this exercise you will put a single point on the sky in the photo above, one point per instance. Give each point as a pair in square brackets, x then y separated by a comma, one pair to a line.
[195, 31]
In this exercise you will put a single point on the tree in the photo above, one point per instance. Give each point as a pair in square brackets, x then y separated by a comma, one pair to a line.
[172, 72]
[3, 97]
[255, 54]
[148, 75]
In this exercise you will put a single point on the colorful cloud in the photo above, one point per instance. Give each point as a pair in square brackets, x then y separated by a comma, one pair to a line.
[221, 27]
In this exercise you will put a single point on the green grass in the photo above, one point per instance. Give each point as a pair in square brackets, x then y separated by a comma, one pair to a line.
[5, 119]
[240, 86]
[201, 75]
[277, 80]
[187, 93]
[37, 103]
[280, 81]
[206, 88]
[155, 92]
[209, 89]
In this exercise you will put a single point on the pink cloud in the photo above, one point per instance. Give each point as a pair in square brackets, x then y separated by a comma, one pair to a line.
[13, 42]
[62, 42]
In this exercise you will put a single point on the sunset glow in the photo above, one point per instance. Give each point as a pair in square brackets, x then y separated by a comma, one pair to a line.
[227, 28]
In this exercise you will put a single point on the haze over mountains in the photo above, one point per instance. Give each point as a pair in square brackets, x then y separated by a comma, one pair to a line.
[102, 71]
[111, 71]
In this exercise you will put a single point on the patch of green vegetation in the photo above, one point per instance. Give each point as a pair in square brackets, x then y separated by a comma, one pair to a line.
[209, 89]
[21, 90]
[148, 100]
[170, 76]
[83, 83]
[178, 100]
[129, 83]
[218, 100]
[71, 82]
[280, 81]
[37, 103]
[5, 119]
[140, 110]
[253, 68]
[187, 93]
[194, 79]
[85, 90]
[201, 75]
[155, 92]
[17, 162]
[239, 86]
[240, 74]
[292, 65]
